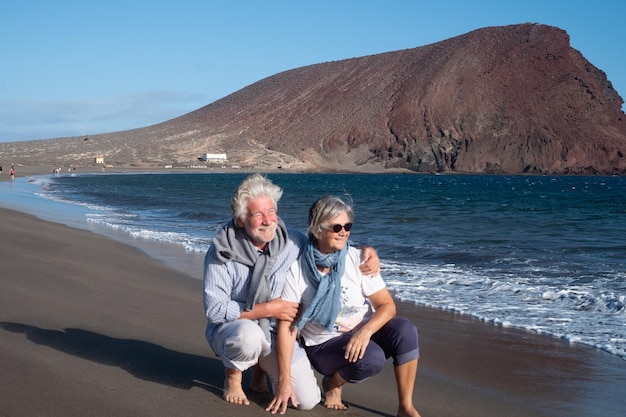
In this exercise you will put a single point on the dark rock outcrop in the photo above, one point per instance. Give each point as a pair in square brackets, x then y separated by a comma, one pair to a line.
[512, 99]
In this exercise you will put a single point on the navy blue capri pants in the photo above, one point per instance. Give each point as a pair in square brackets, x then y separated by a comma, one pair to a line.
[397, 339]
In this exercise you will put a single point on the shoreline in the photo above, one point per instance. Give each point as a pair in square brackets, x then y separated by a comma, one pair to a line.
[93, 326]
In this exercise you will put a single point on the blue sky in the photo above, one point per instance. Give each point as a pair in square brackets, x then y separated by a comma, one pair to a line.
[73, 68]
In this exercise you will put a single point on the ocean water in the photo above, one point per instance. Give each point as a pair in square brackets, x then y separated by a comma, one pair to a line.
[542, 253]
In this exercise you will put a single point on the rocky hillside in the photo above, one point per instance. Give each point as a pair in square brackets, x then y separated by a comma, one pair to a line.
[512, 99]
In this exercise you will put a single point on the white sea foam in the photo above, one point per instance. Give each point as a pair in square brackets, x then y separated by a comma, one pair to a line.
[571, 313]
[123, 223]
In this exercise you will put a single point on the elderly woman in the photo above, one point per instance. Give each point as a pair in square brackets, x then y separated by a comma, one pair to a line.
[348, 324]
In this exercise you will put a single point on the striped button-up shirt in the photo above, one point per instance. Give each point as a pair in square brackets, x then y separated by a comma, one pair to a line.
[226, 285]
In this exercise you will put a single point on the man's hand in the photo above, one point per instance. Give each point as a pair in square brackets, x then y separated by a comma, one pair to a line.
[281, 399]
[371, 262]
[283, 310]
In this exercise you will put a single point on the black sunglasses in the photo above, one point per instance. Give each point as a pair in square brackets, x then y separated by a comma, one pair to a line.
[337, 227]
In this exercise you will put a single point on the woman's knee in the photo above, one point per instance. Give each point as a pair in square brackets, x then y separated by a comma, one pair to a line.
[409, 332]
[371, 364]
[404, 345]
[398, 332]
[401, 326]
[376, 360]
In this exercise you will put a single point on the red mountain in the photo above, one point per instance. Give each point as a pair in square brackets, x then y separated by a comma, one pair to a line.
[512, 99]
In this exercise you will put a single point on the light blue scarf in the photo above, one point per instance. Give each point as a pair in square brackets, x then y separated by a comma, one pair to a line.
[326, 303]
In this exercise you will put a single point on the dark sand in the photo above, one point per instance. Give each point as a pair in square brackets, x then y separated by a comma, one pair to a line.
[92, 327]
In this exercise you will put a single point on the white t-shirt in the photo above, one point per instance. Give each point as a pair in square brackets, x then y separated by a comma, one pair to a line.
[355, 288]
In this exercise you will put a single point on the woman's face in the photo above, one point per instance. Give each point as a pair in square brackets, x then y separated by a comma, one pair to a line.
[329, 241]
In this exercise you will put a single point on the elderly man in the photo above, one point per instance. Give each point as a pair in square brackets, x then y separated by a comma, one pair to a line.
[244, 274]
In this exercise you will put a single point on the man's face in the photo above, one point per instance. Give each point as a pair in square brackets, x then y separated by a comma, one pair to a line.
[261, 220]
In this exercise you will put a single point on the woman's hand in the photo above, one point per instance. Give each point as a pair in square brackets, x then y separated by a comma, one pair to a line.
[355, 349]
[384, 310]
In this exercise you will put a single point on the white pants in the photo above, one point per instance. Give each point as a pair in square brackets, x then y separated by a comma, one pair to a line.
[241, 344]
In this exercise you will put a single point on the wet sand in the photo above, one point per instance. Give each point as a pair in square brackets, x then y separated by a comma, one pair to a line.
[90, 326]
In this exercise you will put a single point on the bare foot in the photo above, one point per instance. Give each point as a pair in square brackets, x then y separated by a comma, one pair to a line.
[332, 396]
[233, 391]
[258, 382]
[408, 413]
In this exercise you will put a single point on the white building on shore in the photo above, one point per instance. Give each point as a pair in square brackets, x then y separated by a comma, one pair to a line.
[214, 157]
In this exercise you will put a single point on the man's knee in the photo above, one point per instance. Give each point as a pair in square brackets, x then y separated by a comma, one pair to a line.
[307, 403]
[304, 382]
[308, 396]
[246, 342]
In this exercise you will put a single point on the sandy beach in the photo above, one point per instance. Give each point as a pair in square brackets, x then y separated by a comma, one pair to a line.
[90, 326]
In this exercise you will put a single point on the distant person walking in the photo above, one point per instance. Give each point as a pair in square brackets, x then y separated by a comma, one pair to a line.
[12, 173]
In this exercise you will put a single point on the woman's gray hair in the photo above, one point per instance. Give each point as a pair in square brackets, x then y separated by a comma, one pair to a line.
[252, 187]
[325, 209]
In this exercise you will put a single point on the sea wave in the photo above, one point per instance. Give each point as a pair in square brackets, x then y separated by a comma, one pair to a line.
[539, 305]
